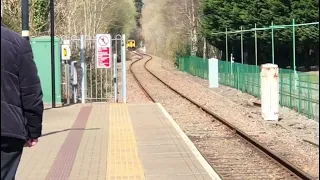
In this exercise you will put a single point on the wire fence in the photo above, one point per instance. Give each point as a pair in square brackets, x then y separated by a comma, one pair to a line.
[290, 46]
[298, 90]
[260, 45]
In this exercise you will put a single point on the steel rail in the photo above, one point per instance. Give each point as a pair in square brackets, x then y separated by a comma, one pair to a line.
[274, 156]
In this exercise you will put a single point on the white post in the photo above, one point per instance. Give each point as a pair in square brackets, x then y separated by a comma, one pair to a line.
[115, 79]
[83, 67]
[231, 63]
[213, 73]
[124, 69]
[270, 92]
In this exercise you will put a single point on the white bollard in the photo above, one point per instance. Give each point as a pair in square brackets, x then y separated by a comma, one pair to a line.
[213, 73]
[270, 92]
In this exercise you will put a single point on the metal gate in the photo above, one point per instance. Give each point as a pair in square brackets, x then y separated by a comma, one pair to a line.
[82, 81]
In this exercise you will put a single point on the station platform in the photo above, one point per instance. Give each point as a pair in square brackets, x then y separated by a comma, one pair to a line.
[113, 142]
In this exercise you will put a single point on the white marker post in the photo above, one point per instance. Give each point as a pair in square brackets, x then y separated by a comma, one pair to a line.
[213, 73]
[270, 92]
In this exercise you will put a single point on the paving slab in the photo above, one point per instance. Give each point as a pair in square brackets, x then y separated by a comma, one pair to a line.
[103, 141]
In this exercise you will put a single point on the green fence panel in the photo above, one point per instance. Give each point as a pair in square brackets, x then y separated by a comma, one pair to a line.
[240, 76]
[194, 65]
[182, 62]
[298, 91]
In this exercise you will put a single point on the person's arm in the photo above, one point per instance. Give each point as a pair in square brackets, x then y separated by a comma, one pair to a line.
[31, 92]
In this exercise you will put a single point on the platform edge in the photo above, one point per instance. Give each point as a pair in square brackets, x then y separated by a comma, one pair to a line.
[211, 172]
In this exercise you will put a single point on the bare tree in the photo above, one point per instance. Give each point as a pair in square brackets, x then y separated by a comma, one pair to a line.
[169, 24]
[74, 17]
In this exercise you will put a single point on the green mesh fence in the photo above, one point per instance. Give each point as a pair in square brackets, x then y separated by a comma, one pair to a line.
[298, 91]
[195, 66]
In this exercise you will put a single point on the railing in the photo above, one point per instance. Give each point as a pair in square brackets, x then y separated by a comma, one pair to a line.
[298, 91]
[195, 66]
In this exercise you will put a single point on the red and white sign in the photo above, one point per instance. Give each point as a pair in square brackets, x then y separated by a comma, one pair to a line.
[103, 51]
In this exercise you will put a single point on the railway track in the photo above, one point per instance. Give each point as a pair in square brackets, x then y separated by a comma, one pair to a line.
[227, 164]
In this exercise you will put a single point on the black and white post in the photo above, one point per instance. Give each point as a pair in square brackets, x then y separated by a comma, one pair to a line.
[25, 18]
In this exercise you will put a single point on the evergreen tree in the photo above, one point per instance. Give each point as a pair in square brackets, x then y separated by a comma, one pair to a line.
[231, 14]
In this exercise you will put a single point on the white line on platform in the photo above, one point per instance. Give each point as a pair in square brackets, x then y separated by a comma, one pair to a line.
[194, 150]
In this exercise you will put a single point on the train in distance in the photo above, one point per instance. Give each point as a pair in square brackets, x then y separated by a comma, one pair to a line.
[131, 44]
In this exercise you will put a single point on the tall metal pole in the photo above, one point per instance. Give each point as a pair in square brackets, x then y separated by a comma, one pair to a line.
[256, 43]
[294, 45]
[116, 89]
[25, 18]
[294, 52]
[83, 67]
[53, 74]
[241, 39]
[124, 69]
[272, 41]
[115, 73]
[226, 44]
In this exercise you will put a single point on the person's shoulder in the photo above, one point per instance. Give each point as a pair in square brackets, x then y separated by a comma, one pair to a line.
[11, 37]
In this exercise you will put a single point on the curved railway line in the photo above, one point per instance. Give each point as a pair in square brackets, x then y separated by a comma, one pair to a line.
[225, 166]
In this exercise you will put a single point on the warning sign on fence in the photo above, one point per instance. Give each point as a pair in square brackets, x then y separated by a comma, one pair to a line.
[66, 51]
[103, 51]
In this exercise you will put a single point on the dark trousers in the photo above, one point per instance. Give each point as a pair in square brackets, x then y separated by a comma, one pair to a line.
[11, 151]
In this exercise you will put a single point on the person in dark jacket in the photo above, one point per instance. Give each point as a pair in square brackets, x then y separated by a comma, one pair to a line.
[21, 100]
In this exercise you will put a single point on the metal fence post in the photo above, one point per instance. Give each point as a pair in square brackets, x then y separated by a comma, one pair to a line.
[115, 73]
[294, 52]
[124, 69]
[272, 41]
[83, 67]
[226, 44]
[294, 45]
[67, 75]
[241, 45]
[256, 44]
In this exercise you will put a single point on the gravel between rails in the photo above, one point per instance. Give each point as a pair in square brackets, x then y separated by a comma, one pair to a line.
[247, 118]
[229, 155]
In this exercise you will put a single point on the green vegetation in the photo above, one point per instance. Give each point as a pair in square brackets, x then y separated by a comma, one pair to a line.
[40, 15]
[217, 15]
[139, 6]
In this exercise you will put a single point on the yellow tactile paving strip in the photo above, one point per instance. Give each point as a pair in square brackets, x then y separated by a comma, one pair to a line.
[123, 161]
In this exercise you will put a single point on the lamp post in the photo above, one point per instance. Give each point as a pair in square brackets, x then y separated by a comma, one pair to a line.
[53, 80]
